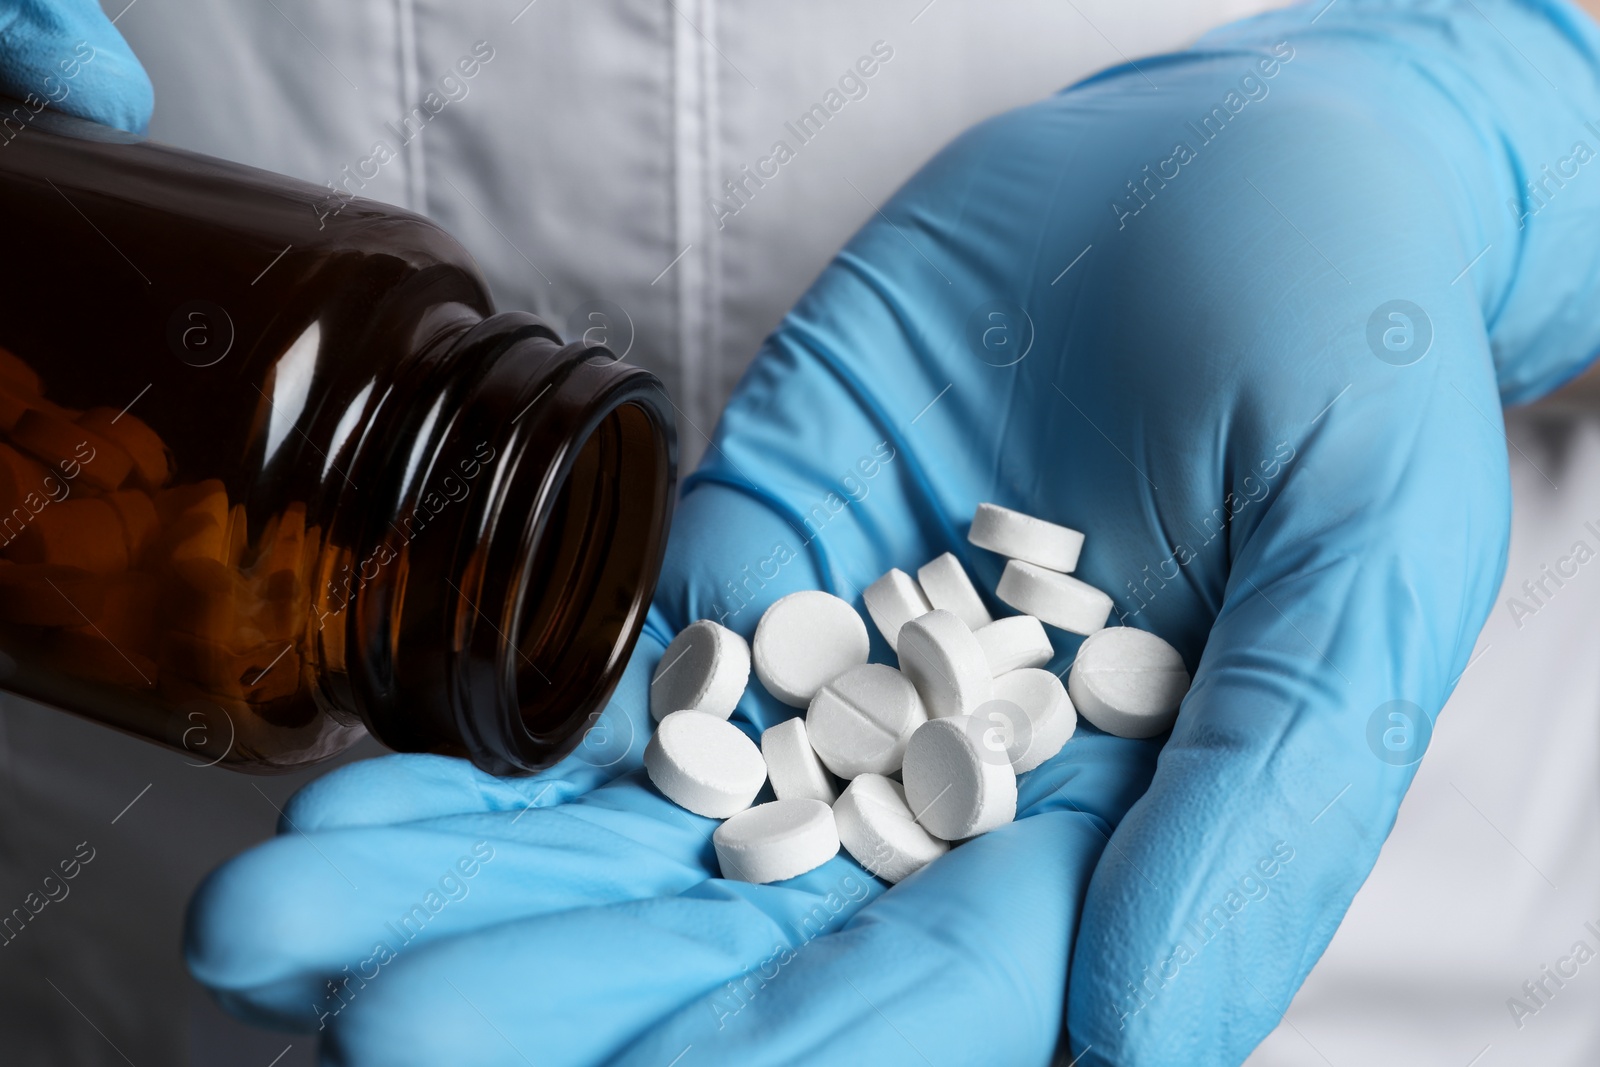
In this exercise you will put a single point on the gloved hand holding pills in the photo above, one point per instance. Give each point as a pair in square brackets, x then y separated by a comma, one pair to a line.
[1261, 372]
[968, 710]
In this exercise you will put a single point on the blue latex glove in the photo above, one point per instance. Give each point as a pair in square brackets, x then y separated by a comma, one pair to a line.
[67, 55]
[1298, 482]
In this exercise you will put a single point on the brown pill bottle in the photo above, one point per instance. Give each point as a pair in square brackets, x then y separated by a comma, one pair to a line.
[274, 474]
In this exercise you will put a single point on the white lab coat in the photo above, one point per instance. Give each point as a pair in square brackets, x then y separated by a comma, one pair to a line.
[580, 164]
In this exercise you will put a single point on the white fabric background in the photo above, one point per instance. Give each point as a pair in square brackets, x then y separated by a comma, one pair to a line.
[578, 168]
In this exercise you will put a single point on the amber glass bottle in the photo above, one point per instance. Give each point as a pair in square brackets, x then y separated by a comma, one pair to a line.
[273, 472]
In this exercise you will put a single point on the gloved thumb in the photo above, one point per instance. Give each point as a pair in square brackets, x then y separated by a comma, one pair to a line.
[66, 54]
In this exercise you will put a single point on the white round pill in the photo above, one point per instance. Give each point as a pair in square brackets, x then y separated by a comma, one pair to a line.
[892, 601]
[705, 764]
[706, 668]
[957, 788]
[859, 722]
[877, 828]
[1050, 720]
[775, 841]
[803, 641]
[1014, 642]
[1058, 599]
[946, 663]
[1011, 533]
[1128, 682]
[947, 586]
[792, 765]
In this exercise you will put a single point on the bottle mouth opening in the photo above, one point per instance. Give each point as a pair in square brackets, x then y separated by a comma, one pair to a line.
[516, 597]
[590, 572]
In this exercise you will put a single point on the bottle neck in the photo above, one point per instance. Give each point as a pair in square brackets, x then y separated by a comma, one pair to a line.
[505, 542]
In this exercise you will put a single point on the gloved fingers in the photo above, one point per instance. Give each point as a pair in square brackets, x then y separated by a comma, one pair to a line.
[272, 925]
[577, 988]
[1351, 606]
[272, 929]
[964, 962]
[1281, 430]
[68, 55]
[412, 787]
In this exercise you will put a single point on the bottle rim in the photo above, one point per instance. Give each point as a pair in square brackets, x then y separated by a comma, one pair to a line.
[532, 595]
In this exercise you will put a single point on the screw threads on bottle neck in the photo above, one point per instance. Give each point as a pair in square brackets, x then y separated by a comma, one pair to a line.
[506, 558]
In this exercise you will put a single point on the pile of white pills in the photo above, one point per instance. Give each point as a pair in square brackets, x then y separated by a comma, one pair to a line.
[930, 751]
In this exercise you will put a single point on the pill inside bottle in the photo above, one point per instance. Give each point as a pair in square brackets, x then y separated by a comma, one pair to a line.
[274, 474]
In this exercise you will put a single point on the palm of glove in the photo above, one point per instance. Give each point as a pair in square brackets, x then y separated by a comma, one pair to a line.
[1268, 466]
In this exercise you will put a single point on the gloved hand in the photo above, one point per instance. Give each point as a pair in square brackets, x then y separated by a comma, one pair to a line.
[66, 54]
[1247, 316]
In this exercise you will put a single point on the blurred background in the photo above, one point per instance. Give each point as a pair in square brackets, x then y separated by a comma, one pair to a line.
[591, 166]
